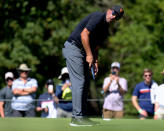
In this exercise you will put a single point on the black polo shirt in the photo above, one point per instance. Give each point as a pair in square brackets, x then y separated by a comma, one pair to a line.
[97, 26]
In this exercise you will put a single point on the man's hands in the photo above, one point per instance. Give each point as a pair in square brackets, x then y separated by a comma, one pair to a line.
[114, 77]
[143, 112]
[89, 59]
[66, 84]
[24, 91]
[45, 109]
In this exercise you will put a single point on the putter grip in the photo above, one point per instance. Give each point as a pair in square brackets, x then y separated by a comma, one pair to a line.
[92, 71]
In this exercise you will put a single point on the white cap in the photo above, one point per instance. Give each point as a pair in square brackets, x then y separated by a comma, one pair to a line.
[115, 64]
[63, 71]
[9, 75]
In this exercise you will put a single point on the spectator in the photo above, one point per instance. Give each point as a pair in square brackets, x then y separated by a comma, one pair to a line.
[163, 76]
[6, 96]
[143, 91]
[159, 102]
[24, 89]
[64, 92]
[115, 87]
[46, 102]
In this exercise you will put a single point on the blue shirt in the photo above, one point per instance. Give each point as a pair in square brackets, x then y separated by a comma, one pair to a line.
[23, 103]
[142, 91]
[65, 105]
[45, 97]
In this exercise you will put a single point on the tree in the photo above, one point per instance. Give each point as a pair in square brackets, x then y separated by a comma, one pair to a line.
[137, 42]
[34, 32]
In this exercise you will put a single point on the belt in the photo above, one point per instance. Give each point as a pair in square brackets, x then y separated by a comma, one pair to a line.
[114, 92]
[76, 44]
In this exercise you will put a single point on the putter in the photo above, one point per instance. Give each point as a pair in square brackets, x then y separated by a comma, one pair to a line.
[92, 71]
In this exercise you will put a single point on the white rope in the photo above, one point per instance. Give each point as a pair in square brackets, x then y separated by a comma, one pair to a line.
[90, 100]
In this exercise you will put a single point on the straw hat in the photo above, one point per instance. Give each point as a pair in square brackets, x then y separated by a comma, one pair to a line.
[23, 67]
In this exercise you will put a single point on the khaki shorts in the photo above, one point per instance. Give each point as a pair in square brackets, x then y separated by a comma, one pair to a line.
[112, 114]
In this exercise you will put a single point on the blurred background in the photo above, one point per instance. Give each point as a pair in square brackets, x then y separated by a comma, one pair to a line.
[34, 31]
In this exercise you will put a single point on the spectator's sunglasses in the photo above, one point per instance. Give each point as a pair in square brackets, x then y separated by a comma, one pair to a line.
[24, 71]
[148, 75]
[115, 14]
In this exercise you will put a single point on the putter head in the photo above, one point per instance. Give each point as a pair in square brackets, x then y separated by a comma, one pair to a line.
[92, 71]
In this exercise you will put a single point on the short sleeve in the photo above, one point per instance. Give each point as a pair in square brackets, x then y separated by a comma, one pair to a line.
[15, 84]
[136, 91]
[106, 81]
[34, 83]
[94, 20]
[123, 84]
[2, 94]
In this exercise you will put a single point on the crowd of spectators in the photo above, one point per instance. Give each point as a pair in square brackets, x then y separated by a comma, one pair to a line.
[18, 98]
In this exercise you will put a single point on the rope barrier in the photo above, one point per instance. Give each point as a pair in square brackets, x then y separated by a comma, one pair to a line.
[89, 100]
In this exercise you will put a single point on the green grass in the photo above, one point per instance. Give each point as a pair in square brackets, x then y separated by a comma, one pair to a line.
[40, 124]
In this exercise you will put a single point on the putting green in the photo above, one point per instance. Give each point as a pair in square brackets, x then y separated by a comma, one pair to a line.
[43, 124]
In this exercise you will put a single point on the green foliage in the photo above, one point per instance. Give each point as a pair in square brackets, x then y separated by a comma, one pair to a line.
[136, 41]
[34, 31]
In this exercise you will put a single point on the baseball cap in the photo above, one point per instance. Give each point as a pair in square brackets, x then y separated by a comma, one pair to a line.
[9, 75]
[63, 71]
[115, 64]
[119, 10]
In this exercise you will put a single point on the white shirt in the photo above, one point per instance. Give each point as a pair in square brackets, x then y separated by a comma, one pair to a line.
[153, 89]
[160, 95]
[23, 103]
[114, 101]
[52, 112]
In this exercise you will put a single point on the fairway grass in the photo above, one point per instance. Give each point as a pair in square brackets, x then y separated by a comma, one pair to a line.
[43, 124]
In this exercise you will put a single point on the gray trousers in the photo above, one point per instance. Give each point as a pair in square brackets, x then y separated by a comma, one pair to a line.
[78, 70]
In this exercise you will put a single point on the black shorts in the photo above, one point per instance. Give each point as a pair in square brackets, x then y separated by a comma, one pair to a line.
[28, 113]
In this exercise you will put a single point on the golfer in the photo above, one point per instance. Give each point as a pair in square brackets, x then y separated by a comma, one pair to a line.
[81, 52]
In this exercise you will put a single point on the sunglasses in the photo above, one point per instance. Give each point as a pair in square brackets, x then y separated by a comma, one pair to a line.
[147, 75]
[114, 13]
[24, 71]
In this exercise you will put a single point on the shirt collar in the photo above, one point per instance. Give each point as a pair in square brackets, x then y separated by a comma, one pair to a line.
[150, 83]
[28, 79]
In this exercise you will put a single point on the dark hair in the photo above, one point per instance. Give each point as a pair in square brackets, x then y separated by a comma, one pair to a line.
[65, 76]
[147, 70]
[50, 82]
